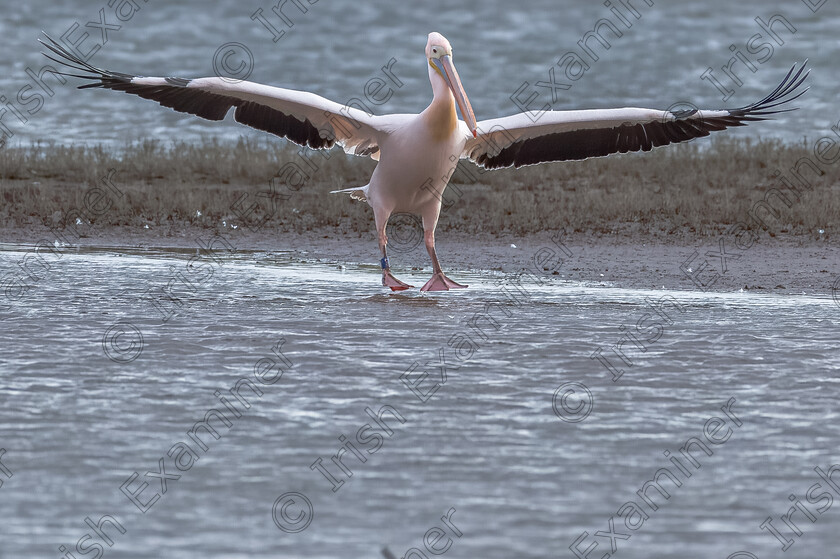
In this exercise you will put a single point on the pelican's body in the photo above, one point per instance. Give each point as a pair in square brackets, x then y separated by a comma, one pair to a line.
[416, 161]
[413, 155]
[418, 154]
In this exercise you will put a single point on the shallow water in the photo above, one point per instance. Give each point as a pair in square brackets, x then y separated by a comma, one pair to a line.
[336, 47]
[489, 443]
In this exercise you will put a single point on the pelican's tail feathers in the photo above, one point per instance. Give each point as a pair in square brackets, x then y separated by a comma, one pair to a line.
[356, 192]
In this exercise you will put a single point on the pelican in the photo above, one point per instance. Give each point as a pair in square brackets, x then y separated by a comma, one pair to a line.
[417, 153]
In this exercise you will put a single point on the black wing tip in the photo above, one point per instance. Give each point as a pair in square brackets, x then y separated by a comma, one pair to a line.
[67, 58]
[786, 92]
[98, 77]
[47, 35]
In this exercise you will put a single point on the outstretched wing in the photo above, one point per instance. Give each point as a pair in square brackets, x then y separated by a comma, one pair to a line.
[304, 118]
[569, 135]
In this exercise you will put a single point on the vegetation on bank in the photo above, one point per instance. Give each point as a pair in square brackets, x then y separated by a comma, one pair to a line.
[702, 186]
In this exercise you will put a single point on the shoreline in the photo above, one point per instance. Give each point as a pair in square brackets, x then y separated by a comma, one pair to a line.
[783, 264]
[655, 220]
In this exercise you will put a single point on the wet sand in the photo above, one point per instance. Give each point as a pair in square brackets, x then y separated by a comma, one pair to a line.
[627, 258]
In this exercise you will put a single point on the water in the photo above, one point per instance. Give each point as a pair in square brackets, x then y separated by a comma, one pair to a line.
[336, 47]
[488, 443]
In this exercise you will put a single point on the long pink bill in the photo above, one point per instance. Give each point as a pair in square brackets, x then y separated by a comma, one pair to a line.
[446, 66]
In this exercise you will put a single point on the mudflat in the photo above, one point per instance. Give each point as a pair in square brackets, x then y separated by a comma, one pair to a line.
[681, 260]
[721, 216]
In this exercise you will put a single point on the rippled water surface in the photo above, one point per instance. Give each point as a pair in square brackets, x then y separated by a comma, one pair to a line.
[85, 404]
[488, 443]
[336, 47]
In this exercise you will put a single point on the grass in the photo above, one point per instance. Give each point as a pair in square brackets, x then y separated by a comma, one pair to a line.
[701, 186]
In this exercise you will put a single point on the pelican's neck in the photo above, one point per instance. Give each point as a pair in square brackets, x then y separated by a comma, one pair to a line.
[441, 113]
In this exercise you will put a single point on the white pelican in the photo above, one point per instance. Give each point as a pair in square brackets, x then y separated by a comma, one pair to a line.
[416, 151]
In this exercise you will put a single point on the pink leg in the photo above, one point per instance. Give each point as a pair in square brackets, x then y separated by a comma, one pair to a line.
[388, 279]
[439, 281]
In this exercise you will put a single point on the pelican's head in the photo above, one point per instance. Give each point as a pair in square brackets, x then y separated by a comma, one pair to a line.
[439, 53]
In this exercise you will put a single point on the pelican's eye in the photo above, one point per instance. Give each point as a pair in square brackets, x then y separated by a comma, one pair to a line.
[437, 52]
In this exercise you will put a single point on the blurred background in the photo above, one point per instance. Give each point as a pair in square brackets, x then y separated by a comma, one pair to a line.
[334, 48]
[525, 484]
